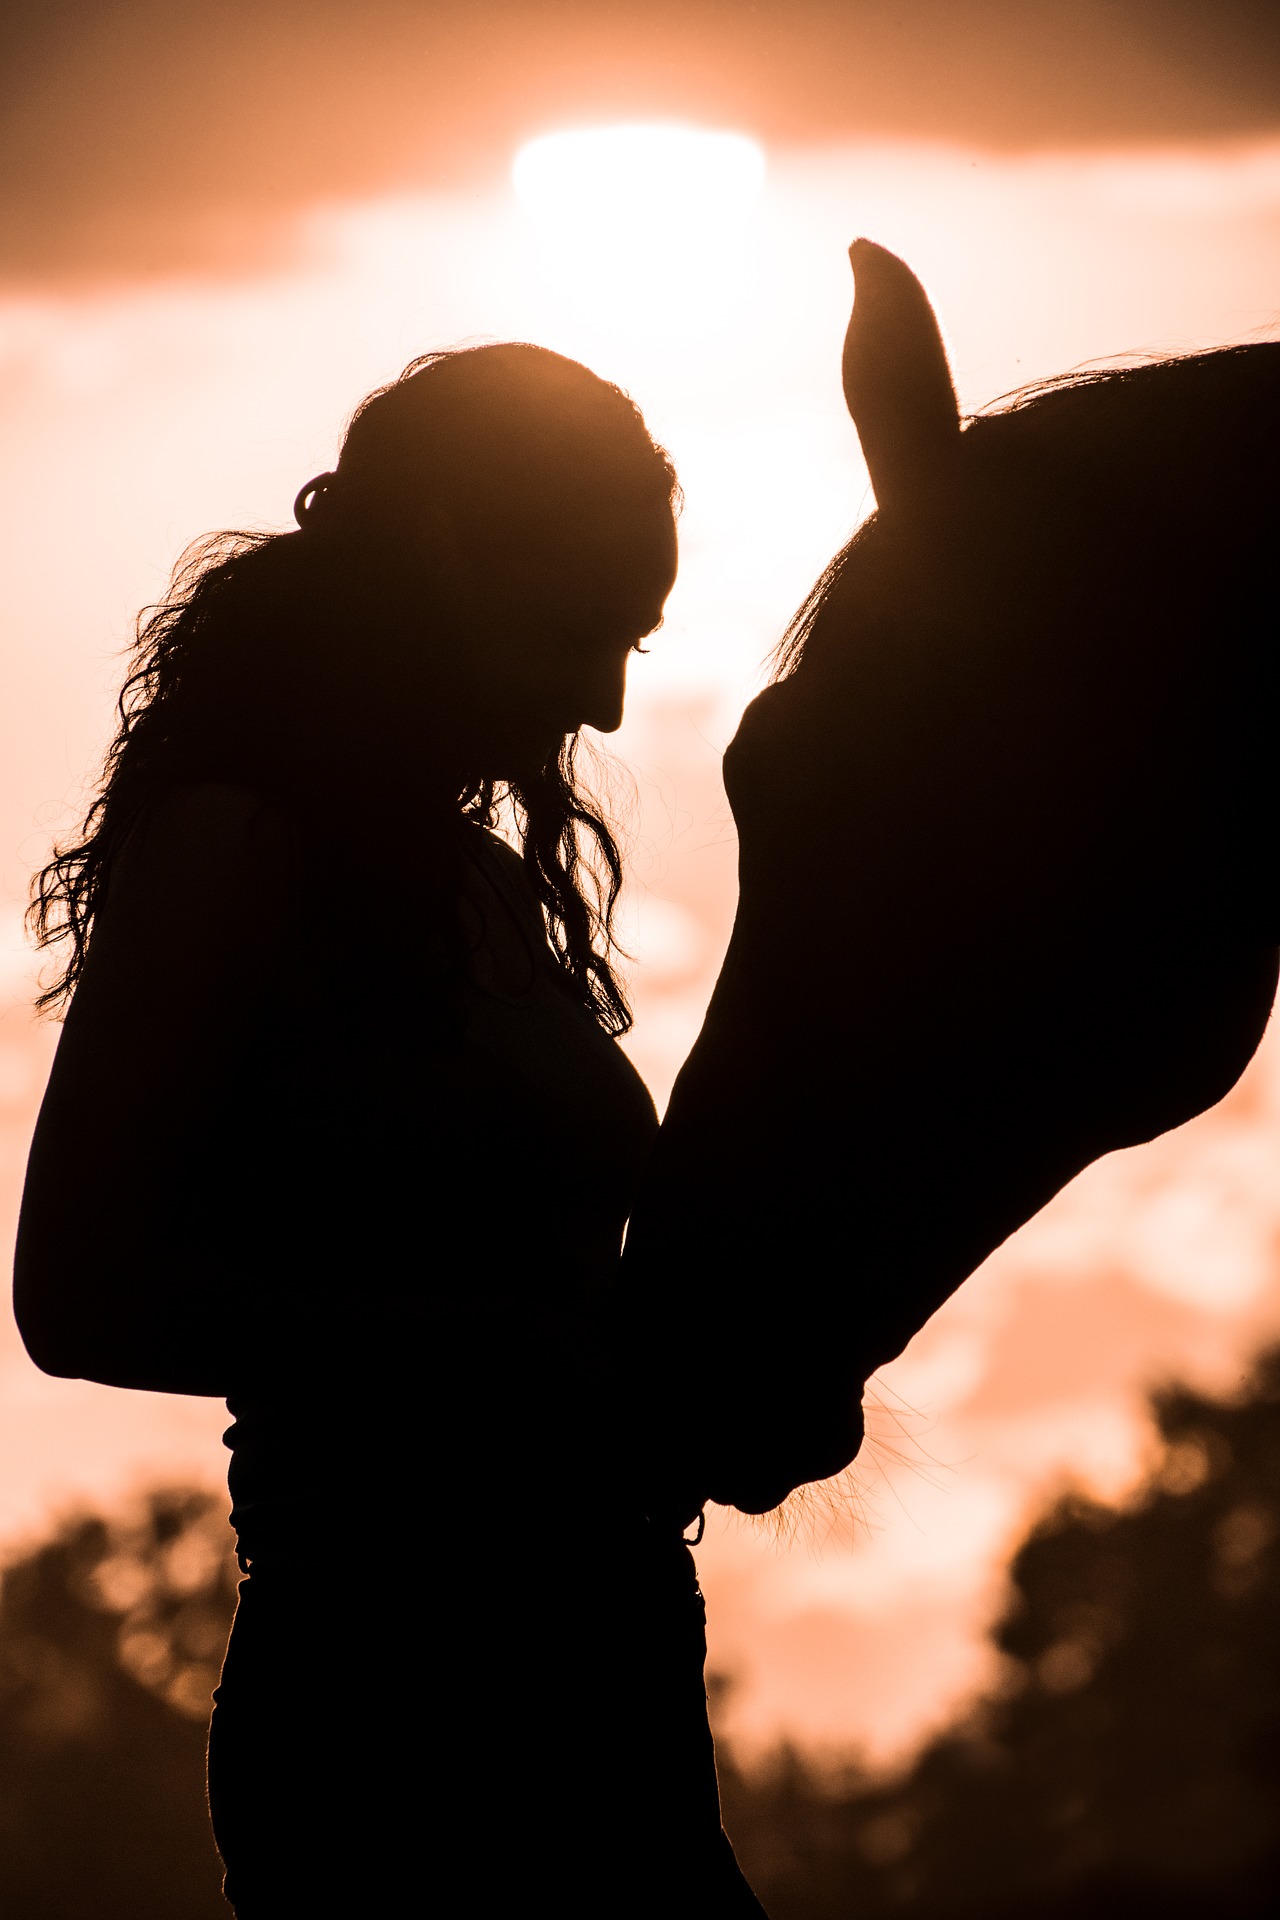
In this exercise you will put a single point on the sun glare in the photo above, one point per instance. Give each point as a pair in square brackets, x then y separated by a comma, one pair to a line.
[658, 175]
[641, 228]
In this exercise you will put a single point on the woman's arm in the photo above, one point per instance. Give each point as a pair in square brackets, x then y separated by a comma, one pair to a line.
[190, 931]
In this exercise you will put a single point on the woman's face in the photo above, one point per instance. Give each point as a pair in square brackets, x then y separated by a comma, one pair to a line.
[547, 652]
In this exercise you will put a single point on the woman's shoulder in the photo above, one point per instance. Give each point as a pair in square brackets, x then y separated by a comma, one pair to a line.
[491, 849]
[504, 869]
[206, 841]
[203, 879]
[501, 916]
[203, 822]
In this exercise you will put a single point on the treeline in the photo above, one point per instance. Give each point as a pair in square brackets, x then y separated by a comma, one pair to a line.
[1129, 1762]
[111, 1638]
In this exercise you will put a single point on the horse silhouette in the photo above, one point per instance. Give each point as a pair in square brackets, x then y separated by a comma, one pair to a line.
[1006, 820]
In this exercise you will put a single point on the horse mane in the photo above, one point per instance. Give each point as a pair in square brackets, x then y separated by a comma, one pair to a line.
[1180, 451]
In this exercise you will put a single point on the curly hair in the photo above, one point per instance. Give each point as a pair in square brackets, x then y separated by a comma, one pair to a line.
[280, 661]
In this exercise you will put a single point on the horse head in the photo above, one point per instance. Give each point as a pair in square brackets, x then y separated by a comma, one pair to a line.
[1006, 899]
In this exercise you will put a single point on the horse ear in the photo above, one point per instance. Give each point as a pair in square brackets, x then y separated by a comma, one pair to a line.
[897, 384]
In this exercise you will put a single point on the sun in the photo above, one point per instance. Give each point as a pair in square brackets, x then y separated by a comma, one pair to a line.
[641, 229]
[660, 174]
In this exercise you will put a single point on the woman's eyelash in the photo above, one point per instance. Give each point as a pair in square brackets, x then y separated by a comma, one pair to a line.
[655, 628]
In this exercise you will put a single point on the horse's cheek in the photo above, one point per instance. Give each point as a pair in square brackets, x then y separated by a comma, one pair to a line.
[769, 761]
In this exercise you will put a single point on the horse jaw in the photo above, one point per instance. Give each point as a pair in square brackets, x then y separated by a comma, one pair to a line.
[897, 384]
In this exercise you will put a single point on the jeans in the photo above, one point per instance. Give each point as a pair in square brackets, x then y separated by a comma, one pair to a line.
[475, 1727]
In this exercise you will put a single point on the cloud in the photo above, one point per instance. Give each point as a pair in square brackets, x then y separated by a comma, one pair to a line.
[138, 137]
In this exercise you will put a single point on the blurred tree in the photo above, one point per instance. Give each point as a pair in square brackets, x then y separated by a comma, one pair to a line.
[111, 1637]
[1131, 1761]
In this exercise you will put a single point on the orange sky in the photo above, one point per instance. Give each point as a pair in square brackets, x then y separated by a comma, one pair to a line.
[139, 409]
[139, 136]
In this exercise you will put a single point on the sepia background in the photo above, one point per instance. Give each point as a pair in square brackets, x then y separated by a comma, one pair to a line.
[222, 222]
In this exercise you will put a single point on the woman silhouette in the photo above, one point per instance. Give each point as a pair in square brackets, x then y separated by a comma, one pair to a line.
[338, 1129]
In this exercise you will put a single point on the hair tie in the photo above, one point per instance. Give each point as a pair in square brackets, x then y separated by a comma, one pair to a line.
[304, 505]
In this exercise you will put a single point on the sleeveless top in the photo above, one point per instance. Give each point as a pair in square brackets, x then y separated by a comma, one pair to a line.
[436, 1191]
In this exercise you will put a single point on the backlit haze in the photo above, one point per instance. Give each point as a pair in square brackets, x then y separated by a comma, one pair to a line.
[708, 276]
